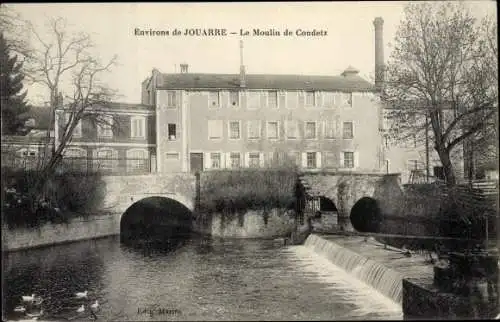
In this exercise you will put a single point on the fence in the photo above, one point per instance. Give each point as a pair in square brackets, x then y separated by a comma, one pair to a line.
[106, 166]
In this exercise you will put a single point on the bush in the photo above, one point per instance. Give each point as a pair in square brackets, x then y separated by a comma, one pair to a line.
[236, 191]
[62, 197]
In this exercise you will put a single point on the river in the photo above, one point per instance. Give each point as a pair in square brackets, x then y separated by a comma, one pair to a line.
[197, 279]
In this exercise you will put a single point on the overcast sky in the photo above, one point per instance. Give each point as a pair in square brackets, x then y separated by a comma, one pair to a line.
[349, 39]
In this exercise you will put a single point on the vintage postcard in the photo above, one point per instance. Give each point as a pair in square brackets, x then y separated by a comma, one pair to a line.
[249, 161]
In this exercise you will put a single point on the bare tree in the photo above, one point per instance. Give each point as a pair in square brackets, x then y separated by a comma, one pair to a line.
[440, 77]
[66, 58]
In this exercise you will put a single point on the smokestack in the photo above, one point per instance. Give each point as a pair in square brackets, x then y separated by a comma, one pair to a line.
[379, 52]
[184, 68]
[242, 67]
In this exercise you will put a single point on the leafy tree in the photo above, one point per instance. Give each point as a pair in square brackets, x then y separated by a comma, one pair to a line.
[12, 98]
[442, 77]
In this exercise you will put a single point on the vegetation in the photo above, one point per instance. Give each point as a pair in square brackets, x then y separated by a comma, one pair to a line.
[65, 196]
[12, 96]
[236, 191]
[442, 79]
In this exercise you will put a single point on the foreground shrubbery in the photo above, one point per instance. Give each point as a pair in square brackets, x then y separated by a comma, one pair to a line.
[64, 196]
[236, 191]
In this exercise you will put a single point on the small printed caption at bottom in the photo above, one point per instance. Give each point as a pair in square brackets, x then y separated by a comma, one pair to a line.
[157, 311]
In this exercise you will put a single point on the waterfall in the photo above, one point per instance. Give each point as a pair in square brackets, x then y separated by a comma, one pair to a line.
[385, 280]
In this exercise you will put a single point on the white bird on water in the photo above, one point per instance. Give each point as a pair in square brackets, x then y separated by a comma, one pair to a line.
[20, 308]
[81, 294]
[95, 305]
[81, 309]
[27, 298]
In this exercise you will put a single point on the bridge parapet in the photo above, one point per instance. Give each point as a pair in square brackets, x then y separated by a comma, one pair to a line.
[123, 191]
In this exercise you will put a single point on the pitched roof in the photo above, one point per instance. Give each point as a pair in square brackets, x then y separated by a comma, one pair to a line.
[262, 81]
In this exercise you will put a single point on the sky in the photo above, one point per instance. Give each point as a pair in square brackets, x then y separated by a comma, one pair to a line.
[349, 40]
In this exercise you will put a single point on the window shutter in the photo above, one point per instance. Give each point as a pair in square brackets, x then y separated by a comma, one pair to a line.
[246, 159]
[356, 160]
[243, 100]
[208, 161]
[222, 160]
[341, 160]
[261, 159]
[318, 160]
[338, 127]
[304, 159]
[224, 97]
[319, 99]
[263, 99]
[228, 159]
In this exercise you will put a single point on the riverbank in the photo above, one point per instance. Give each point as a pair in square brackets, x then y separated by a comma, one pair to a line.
[76, 229]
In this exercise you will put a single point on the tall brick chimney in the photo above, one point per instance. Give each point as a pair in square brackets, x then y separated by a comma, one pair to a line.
[184, 68]
[379, 51]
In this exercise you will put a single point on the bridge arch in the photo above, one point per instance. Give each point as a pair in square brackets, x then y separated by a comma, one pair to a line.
[157, 218]
[366, 215]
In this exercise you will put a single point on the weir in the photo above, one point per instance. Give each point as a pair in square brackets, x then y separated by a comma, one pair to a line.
[385, 280]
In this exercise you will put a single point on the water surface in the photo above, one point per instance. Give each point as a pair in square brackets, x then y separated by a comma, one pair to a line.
[199, 279]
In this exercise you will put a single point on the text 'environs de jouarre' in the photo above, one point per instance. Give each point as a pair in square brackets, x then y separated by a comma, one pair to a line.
[217, 32]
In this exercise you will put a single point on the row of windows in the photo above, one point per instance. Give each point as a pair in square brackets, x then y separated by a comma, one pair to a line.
[107, 158]
[273, 130]
[311, 160]
[271, 99]
[105, 127]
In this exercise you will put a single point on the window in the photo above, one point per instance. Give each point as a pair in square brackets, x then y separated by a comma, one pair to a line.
[215, 161]
[214, 129]
[311, 159]
[329, 159]
[329, 99]
[171, 99]
[310, 101]
[273, 99]
[281, 99]
[75, 158]
[234, 130]
[172, 131]
[348, 130]
[235, 159]
[253, 100]
[347, 99]
[254, 129]
[172, 156]
[254, 159]
[292, 99]
[348, 159]
[105, 159]
[137, 160]
[105, 127]
[272, 130]
[310, 131]
[234, 98]
[213, 100]
[330, 128]
[294, 157]
[292, 129]
[137, 127]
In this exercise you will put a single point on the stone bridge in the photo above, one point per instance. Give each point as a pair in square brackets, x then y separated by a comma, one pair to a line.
[349, 190]
[344, 189]
[124, 191]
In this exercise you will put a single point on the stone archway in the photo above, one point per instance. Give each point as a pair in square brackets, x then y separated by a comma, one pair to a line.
[366, 215]
[157, 220]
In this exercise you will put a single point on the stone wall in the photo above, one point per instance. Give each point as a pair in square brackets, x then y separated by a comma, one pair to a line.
[49, 234]
[250, 224]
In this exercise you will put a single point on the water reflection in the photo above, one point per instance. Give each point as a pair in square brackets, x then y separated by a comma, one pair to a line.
[183, 279]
